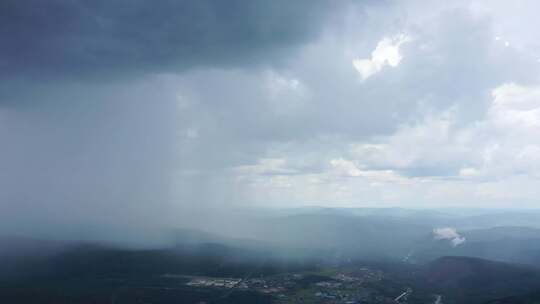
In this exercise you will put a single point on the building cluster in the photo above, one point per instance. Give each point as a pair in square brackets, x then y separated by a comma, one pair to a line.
[342, 288]
[214, 282]
[347, 288]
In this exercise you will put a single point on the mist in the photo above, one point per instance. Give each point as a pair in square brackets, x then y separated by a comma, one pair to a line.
[316, 145]
[93, 127]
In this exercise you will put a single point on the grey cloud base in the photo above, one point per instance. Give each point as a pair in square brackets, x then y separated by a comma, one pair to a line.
[101, 39]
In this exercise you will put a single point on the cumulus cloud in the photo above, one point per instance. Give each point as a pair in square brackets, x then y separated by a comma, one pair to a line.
[385, 54]
[448, 233]
[495, 149]
[420, 143]
[516, 106]
[514, 114]
[347, 168]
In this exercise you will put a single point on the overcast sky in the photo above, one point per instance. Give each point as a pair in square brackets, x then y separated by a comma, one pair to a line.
[142, 111]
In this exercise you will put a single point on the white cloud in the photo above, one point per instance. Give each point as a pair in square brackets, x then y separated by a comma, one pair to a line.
[266, 166]
[499, 144]
[430, 143]
[515, 106]
[426, 134]
[345, 167]
[493, 154]
[385, 54]
[468, 172]
[448, 233]
[434, 159]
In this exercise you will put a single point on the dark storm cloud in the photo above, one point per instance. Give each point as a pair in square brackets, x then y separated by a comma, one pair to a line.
[104, 38]
[92, 137]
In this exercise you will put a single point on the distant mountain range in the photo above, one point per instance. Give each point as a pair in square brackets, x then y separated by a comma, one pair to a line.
[494, 264]
[473, 280]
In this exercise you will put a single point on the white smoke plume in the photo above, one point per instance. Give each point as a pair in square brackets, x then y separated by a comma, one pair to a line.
[448, 233]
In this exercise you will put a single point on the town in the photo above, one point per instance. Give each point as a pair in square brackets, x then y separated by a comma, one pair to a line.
[351, 286]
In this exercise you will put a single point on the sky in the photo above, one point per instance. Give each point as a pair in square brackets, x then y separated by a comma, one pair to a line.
[139, 113]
